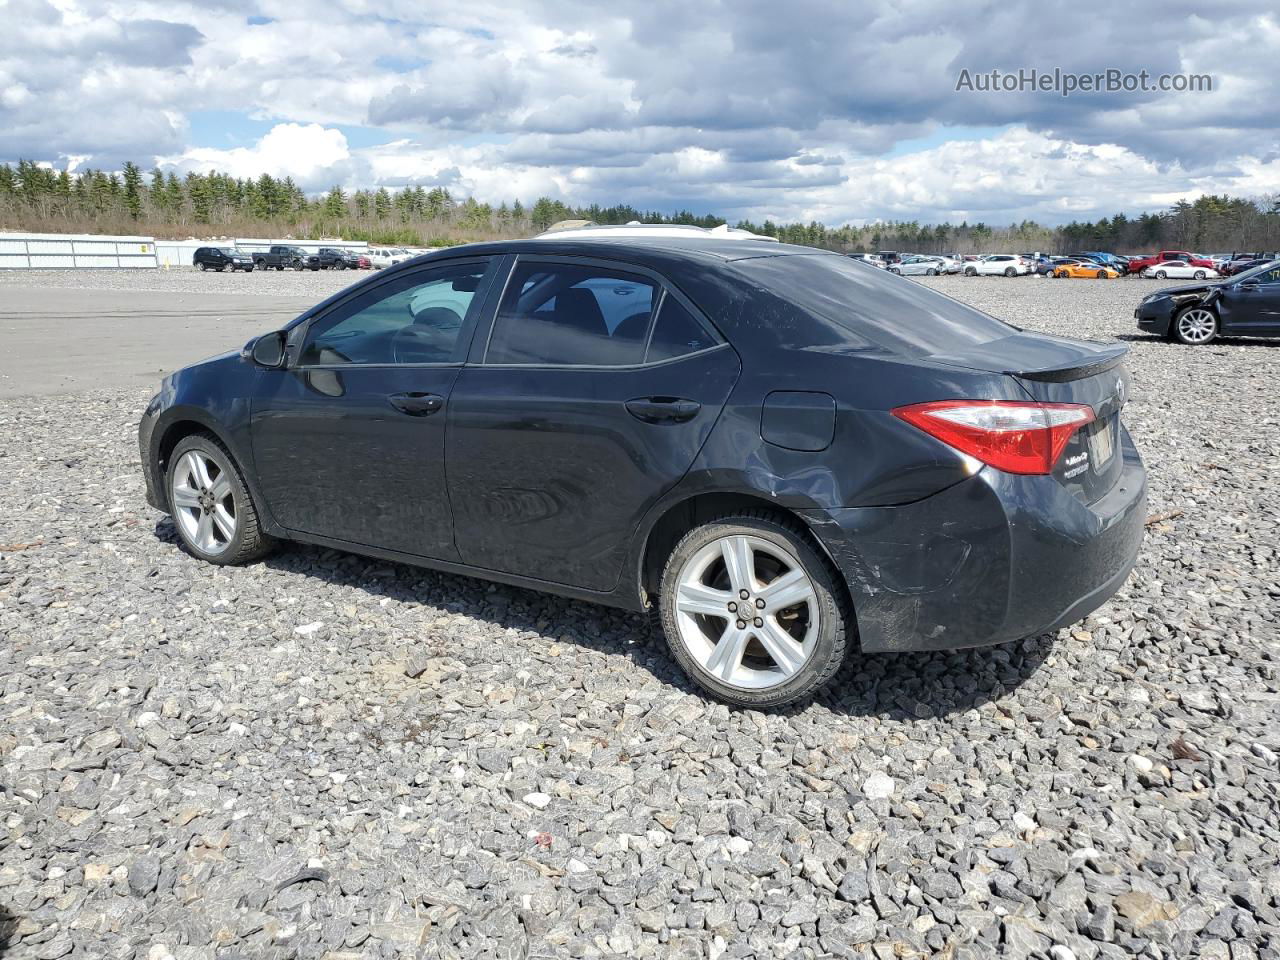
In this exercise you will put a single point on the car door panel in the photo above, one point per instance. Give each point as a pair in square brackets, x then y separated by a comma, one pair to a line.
[338, 458]
[1250, 308]
[349, 441]
[550, 472]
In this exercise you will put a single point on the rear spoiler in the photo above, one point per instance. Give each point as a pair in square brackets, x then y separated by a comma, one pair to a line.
[1100, 362]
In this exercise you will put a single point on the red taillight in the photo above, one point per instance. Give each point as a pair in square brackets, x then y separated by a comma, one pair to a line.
[1025, 438]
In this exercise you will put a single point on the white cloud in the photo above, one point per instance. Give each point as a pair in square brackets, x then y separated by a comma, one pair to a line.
[743, 109]
[310, 153]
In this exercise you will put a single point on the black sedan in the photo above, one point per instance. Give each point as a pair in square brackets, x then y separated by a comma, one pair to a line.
[1246, 305]
[783, 453]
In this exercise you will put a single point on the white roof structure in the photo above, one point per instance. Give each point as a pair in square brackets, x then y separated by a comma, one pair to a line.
[636, 229]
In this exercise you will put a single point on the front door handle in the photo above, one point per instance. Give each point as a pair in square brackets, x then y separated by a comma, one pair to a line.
[416, 404]
[663, 409]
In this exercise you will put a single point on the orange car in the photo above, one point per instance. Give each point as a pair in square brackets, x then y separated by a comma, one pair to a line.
[1083, 268]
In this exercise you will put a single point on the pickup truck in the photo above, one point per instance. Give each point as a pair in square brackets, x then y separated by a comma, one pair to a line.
[281, 257]
[1194, 259]
[327, 258]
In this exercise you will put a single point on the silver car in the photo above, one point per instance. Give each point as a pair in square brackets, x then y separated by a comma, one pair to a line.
[917, 266]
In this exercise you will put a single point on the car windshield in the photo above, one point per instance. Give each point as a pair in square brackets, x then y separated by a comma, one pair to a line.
[876, 307]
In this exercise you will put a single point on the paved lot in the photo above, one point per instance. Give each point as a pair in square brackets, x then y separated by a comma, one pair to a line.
[321, 755]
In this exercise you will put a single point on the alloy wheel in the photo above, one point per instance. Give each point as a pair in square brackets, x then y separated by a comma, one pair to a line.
[203, 504]
[1197, 325]
[747, 612]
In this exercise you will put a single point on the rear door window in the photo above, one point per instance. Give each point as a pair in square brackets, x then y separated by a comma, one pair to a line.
[860, 307]
[572, 315]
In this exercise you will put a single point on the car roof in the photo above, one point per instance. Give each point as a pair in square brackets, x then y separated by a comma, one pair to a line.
[648, 250]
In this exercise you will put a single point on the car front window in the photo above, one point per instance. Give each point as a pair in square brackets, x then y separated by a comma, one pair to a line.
[415, 318]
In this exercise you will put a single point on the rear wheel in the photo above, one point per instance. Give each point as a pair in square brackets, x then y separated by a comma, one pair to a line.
[895, 271]
[1010, 272]
[752, 612]
[1199, 274]
[210, 503]
[970, 272]
[1195, 326]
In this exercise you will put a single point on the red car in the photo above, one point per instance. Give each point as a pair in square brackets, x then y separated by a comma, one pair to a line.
[1194, 259]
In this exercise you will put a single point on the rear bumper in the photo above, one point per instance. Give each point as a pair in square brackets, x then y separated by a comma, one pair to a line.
[994, 558]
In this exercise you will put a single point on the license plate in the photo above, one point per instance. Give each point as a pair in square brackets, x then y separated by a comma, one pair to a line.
[1101, 447]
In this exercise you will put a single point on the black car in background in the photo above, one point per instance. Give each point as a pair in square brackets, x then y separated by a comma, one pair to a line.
[1246, 305]
[221, 258]
[782, 454]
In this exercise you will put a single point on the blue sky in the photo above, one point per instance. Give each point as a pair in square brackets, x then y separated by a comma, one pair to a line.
[832, 111]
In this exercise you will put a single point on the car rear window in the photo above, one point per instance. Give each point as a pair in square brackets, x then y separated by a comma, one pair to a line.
[846, 298]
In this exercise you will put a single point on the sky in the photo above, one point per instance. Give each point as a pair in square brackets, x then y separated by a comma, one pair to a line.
[842, 112]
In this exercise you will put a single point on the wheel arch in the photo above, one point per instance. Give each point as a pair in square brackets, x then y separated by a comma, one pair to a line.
[183, 422]
[678, 518]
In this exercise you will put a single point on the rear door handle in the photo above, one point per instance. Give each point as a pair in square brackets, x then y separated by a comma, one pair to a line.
[663, 409]
[416, 404]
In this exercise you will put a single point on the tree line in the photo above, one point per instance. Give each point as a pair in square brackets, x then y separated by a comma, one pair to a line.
[38, 198]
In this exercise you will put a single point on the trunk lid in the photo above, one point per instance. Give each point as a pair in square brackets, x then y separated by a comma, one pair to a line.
[1060, 370]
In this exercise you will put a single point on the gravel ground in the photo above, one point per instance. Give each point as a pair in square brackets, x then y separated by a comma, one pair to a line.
[326, 756]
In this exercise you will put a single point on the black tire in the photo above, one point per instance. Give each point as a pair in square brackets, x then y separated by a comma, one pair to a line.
[262, 264]
[1161, 275]
[970, 272]
[203, 267]
[1102, 274]
[1010, 272]
[249, 542]
[1199, 274]
[835, 615]
[895, 271]
[931, 272]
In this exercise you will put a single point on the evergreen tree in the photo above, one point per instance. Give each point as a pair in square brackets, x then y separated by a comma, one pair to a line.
[132, 190]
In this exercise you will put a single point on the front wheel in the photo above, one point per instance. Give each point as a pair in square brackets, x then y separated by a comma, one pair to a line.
[1199, 274]
[1102, 274]
[931, 272]
[1195, 326]
[895, 271]
[210, 504]
[752, 612]
[1161, 275]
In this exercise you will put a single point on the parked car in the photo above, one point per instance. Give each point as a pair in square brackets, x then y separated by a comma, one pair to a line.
[868, 258]
[355, 260]
[913, 266]
[387, 257]
[612, 420]
[221, 258]
[1119, 264]
[1179, 269]
[281, 256]
[1246, 305]
[327, 258]
[1090, 269]
[1232, 267]
[997, 264]
[1139, 264]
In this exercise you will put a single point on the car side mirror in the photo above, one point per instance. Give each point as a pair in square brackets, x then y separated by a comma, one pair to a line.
[267, 350]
